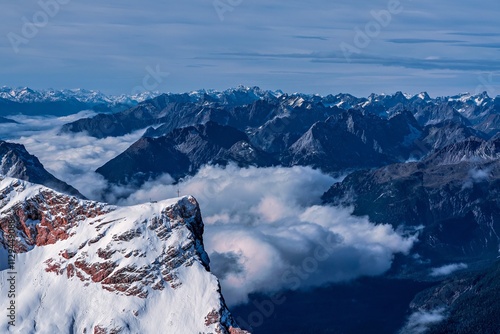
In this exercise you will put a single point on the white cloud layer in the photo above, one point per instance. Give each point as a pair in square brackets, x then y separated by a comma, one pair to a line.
[266, 229]
[447, 269]
[420, 321]
[72, 158]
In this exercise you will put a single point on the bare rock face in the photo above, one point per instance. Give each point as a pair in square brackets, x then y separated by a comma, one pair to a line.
[17, 162]
[466, 303]
[112, 269]
[451, 197]
[44, 218]
[182, 152]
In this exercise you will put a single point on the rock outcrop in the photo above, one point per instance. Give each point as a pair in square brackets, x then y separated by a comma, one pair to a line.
[88, 267]
[17, 162]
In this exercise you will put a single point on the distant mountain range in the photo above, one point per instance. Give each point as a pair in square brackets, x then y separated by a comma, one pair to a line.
[429, 167]
[14, 101]
[334, 133]
[245, 107]
[239, 107]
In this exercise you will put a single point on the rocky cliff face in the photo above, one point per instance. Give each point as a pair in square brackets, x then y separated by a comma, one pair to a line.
[464, 303]
[182, 152]
[18, 163]
[88, 267]
[451, 196]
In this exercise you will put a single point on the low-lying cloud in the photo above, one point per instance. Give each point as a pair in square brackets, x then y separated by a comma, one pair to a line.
[265, 228]
[419, 322]
[447, 269]
[71, 157]
[476, 175]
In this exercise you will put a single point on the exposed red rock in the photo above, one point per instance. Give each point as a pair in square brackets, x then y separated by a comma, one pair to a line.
[114, 253]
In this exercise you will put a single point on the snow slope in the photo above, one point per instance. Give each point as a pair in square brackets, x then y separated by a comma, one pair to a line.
[88, 267]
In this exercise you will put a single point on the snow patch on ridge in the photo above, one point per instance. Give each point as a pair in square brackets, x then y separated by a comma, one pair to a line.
[130, 269]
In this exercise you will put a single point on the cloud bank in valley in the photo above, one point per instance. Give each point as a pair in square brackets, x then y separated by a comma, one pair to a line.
[266, 229]
[419, 322]
[72, 158]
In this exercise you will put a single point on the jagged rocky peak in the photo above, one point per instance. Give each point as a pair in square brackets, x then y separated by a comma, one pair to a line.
[472, 150]
[469, 98]
[424, 96]
[388, 99]
[450, 197]
[94, 268]
[241, 95]
[28, 95]
[17, 162]
[182, 152]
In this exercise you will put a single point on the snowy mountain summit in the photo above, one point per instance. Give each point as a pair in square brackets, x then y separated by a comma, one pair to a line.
[27, 101]
[28, 95]
[89, 267]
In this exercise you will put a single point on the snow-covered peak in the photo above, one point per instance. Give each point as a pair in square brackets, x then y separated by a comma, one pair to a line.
[95, 268]
[27, 95]
[239, 95]
[22, 94]
[482, 98]
[470, 99]
[462, 97]
[422, 96]
[298, 101]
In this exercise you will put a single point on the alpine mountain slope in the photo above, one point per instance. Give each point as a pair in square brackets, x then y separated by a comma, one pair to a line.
[89, 267]
[17, 162]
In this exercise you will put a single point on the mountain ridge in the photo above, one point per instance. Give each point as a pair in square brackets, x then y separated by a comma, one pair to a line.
[17, 162]
[95, 264]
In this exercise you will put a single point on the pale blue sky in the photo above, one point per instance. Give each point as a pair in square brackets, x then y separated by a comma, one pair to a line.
[443, 47]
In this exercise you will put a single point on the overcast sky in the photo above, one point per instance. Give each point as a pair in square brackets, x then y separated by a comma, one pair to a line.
[443, 47]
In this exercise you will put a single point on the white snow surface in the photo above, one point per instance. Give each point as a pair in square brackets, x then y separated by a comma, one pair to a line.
[49, 302]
